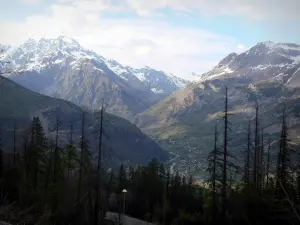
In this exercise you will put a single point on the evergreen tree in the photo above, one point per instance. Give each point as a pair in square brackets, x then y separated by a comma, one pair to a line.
[225, 160]
[14, 143]
[38, 147]
[1, 154]
[256, 147]
[261, 161]
[268, 163]
[70, 153]
[284, 156]
[214, 167]
[81, 157]
[247, 158]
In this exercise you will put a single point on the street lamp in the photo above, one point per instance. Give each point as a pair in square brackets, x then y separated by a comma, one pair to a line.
[124, 192]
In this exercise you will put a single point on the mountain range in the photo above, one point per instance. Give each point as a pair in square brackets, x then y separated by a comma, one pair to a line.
[267, 73]
[62, 68]
[180, 115]
[123, 142]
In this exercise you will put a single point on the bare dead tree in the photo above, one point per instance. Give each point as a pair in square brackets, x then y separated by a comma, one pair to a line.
[96, 206]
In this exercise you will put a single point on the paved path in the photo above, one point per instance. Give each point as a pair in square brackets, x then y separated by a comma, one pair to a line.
[128, 220]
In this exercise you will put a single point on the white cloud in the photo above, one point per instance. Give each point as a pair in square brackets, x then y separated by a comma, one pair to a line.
[254, 9]
[31, 1]
[133, 42]
[241, 48]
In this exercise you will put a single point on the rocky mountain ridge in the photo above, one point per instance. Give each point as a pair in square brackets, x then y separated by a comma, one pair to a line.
[62, 68]
[184, 122]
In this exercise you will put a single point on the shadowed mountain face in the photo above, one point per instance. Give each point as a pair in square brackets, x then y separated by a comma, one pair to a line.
[123, 141]
[184, 122]
[62, 68]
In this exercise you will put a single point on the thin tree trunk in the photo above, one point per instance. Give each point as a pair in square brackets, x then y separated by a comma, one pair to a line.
[81, 158]
[256, 149]
[14, 140]
[261, 159]
[224, 179]
[71, 145]
[268, 163]
[96, 209]
[214, 174]
[55, 162]
[247, 166]
[1, 153]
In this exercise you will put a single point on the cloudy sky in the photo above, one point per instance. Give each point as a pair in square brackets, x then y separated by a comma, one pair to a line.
[178, 36]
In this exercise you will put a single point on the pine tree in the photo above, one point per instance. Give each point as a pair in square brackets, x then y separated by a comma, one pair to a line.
[37, 152]
[81, 157]
[14, 143]
[56, 151]
[225, 161]
[57, 178]
[121, 178]
[284, 156]
[213, 168]
[1, 154]
[256, 147]
[247, 158]
[268, 163]
[70, 152]
[96, 206]
[261, 160]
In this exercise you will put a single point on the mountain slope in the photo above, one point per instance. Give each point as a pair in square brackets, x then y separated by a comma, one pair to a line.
[159, 82]
[124, 141]
[184, 121]
[262, 61]
[62, 68]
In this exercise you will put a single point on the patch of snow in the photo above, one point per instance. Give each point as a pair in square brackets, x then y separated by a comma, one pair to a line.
[95, 68]
[296, 58]
[157, 91]
[58, 61]
[252, 87]
[286, 47]
[116, 69]
[293, 75]
[227, 70]
[140, 75]
[176, 80]
[223, 71]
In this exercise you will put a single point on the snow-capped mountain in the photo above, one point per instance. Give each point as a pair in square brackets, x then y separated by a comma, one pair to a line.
[62, 68]
[263, 61]
[158, 82]
[37, 55]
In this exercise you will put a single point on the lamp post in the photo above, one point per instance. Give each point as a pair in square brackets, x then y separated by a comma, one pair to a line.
[124, 192]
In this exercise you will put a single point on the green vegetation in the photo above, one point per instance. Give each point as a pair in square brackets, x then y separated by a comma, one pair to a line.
[54, 184]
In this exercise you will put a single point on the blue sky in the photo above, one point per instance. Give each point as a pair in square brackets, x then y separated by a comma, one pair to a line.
[178, 36]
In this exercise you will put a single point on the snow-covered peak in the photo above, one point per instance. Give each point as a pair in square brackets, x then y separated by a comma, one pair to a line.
[264, 60]
[267, 44]
[42, 54]
[269, 47]
[49, 46]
